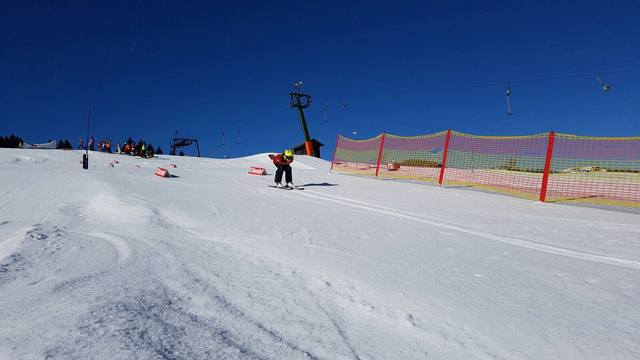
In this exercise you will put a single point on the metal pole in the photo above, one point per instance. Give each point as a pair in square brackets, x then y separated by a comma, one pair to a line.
[307, 139]
[508, 92]
[296, 101]
[304, 123]
[85, 158]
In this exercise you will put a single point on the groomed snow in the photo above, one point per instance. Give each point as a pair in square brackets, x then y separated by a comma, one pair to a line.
[116, 263]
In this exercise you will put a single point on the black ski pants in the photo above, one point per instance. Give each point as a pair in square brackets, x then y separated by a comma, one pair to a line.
[287, 170]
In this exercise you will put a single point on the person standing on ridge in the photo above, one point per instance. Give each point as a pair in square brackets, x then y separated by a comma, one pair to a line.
[283, 163]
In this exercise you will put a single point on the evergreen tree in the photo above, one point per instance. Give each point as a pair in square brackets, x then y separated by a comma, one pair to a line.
[159, 151]
[63, 144]
[11, 141]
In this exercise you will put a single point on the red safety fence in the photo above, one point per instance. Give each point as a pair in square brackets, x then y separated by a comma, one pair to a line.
[548, 167]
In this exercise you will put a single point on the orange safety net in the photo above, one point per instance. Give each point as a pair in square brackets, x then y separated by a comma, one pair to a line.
[595, 169]
[412, 157]
[589, 169]
[357, 156]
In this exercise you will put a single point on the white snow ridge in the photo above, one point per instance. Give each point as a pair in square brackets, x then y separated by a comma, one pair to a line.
[116, 263]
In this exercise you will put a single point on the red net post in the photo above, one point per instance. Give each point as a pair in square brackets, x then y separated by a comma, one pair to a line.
[380, 154]
[547, 167]
[444, 157]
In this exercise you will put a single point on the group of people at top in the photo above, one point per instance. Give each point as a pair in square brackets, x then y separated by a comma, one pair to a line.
[129, 147]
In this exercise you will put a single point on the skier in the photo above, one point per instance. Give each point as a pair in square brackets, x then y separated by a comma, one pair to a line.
[282, 162]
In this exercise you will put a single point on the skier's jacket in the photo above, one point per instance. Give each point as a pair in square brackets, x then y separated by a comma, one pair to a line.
[279, 159]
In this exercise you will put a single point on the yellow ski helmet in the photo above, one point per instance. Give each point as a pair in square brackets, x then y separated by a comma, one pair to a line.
[288, 153]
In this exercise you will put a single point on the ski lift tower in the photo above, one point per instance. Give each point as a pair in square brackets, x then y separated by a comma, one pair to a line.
[178, 143]
[302, 101]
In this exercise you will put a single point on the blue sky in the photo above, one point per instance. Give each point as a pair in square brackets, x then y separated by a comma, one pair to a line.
[407, 68]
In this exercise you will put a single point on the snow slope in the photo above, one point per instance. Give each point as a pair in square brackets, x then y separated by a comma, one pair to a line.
[115, 263]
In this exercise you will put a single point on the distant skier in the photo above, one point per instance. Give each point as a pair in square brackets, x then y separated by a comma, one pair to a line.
[283, 163]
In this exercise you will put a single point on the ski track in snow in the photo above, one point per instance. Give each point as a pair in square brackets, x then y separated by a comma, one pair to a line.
[11, 244]
[178, 270]
[115, 264]
[383, 210]
[120, 245]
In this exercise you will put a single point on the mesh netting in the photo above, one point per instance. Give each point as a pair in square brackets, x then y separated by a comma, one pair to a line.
[357, 156]
[509, 164]
[415, 157]
[601, 170]
[595, 169]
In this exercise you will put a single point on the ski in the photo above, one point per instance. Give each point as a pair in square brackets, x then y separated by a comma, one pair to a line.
[281, 188]
[287, 187]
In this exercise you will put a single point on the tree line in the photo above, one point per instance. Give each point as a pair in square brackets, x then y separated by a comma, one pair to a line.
[11, 141]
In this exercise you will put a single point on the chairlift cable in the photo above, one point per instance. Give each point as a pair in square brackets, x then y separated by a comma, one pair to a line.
[326, 108]
[508, 93]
